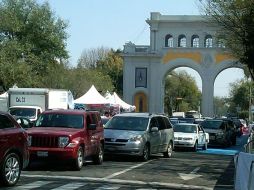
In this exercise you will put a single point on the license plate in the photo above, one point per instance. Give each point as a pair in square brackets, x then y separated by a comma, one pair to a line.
[212, 137]
[42, 153]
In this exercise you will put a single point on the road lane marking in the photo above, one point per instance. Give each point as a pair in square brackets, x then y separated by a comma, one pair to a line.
[119, 181]
[126, 170]
[191, 175]
[33, 185]
[195, 170]
[107, 187]
[70, 186]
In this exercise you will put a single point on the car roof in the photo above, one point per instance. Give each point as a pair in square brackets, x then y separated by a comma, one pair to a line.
[69, 111]
[134, 114]
[189, 124]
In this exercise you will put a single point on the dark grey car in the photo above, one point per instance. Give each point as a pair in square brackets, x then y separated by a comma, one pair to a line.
[139, 134]
[221, 131]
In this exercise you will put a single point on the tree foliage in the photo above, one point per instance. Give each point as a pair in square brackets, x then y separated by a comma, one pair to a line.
[33, 52]
[81, 79]
[90, 57]
[31, 38]
[236, 19]
[181, 92]
[105, 61]
[240, 95]
[112, 65]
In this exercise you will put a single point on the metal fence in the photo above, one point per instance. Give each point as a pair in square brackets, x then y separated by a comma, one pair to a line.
[249, 147]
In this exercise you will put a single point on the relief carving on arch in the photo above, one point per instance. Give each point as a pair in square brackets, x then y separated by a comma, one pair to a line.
[207, 60]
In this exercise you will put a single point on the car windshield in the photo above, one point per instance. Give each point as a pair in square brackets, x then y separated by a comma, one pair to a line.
[174, 121]
[23, 112]
[60, 120]
[185, 128]
[212, 124]
[128, 123]
[186, 120]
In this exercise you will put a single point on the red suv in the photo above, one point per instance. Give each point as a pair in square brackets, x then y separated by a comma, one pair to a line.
[68, 135]
[14, 155]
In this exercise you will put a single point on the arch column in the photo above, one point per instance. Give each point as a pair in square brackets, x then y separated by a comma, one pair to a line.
[207, 106]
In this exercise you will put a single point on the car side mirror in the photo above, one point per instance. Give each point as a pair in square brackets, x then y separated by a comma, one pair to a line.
[154, 129]
[91, 127]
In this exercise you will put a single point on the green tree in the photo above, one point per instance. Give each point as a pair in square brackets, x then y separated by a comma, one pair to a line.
[106, 61]
[181, 92]
[112, 65]
[90, 57]
[221, 106]
[236, 21]
[81, 80]
[31, 38]
[240, 97]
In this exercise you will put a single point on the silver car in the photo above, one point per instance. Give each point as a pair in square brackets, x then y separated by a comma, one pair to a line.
[139, 134]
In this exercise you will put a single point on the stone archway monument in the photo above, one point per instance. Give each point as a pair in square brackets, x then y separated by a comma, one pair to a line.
[175, 41]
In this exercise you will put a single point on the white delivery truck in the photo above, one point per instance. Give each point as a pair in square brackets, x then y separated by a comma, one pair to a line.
[30, 102]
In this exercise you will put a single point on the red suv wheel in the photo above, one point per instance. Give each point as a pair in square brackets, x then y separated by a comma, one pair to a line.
[11, 169]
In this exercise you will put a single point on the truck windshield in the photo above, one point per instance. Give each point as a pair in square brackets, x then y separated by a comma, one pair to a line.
[60, 120]
[23, 112]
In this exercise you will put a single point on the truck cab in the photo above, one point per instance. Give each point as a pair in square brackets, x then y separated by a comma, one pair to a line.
[31, 102]
[30, 112]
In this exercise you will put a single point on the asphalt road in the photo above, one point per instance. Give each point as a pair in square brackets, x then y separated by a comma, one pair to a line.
[211, 169]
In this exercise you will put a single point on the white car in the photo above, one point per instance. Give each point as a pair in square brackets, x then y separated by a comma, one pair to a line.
[190, 135]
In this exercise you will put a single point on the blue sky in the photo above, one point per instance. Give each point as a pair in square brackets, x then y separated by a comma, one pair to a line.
[112, 23]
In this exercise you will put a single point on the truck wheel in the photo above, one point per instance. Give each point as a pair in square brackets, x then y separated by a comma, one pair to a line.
[10, 170]
[169, 151]
[98, 158]
[79, 161]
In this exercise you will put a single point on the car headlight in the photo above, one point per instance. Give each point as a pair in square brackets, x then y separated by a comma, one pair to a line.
[29, 139]
[136, 138]
[63, 141]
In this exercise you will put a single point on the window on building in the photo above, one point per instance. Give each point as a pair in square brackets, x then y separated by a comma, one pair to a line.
[221, 43]
[182, 41]
[195, 41]
[208, 41]
[169, 41]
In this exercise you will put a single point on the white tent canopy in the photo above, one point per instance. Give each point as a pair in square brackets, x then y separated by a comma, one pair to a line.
[92, 96]
[4, 95]
[4, 102]
[115, 99]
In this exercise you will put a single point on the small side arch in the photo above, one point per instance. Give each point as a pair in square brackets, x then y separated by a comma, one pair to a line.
[140, 101]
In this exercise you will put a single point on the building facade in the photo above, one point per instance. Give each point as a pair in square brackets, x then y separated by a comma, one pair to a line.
[175, 41]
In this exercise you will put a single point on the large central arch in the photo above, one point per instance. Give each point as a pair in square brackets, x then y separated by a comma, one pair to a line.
[175, 41]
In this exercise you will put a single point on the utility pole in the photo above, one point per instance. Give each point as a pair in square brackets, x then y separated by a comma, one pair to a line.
[250, 103]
